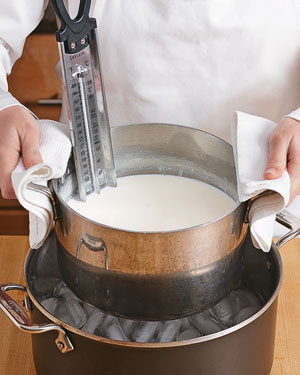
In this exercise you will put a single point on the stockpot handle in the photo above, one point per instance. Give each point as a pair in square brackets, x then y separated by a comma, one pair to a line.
[291, 222]
[21, 320]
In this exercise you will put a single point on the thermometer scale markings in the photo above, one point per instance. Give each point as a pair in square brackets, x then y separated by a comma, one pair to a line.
[85, 111]
[80, 135]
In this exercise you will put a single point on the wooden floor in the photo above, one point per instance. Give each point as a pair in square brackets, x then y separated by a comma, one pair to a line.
[15, 347]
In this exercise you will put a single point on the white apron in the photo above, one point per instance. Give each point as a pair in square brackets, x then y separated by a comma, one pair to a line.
[189, 62]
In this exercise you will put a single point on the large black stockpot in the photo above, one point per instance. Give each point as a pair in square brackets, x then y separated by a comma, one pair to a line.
[246, 348]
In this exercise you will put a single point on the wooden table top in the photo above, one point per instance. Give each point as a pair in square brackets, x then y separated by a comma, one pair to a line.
[16, 354]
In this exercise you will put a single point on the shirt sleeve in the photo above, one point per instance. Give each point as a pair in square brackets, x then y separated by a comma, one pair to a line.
[294, 114]
[18, 18]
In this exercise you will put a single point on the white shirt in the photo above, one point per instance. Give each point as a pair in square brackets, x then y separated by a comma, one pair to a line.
[189, 62]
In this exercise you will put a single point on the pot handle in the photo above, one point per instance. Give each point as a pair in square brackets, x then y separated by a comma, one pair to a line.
[291, 222]
[47, 192]
[94, 244]
[21, 320]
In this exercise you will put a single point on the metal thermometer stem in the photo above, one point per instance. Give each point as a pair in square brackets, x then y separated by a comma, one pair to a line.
[80, 74]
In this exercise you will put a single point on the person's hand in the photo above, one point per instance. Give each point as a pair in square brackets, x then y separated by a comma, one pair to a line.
[284, 153]
[19, 134]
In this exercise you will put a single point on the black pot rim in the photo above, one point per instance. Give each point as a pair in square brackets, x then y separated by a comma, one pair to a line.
[198, 340]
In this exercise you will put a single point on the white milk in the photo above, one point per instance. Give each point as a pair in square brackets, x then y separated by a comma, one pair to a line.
[154, 203]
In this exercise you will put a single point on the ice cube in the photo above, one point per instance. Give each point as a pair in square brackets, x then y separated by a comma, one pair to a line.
[145, 331]
[252, 299]
[61, 290]
[185, 324]
[245, 313]
[57, 307]
[75, 315]
[168, 330]
[128, 326]
[204, 324]
[94, 321]
[222, 310]
[50, 304]
[222, 313]
[89, 309]
[114, 331]
[188, 334]
[238, 301]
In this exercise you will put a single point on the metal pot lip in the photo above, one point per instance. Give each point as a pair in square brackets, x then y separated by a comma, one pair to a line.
[167, 124]
[195, 227]
[166, 345]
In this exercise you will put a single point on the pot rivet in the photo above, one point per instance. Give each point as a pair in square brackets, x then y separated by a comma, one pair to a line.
[60, 345]
[268, 265]
[106, 293]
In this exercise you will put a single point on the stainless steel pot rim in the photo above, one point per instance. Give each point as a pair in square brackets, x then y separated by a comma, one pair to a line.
[198, 340]
[167, 124]
[151, 232]
[237, 203]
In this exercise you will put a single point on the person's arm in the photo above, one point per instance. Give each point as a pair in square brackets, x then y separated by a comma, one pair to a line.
[19, 130]
[284, 152]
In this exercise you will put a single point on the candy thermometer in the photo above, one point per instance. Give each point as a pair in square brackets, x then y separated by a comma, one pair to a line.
[87, 111]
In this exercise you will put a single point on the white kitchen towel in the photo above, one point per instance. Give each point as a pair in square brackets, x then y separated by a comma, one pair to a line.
[250, 137]
[55, 149]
